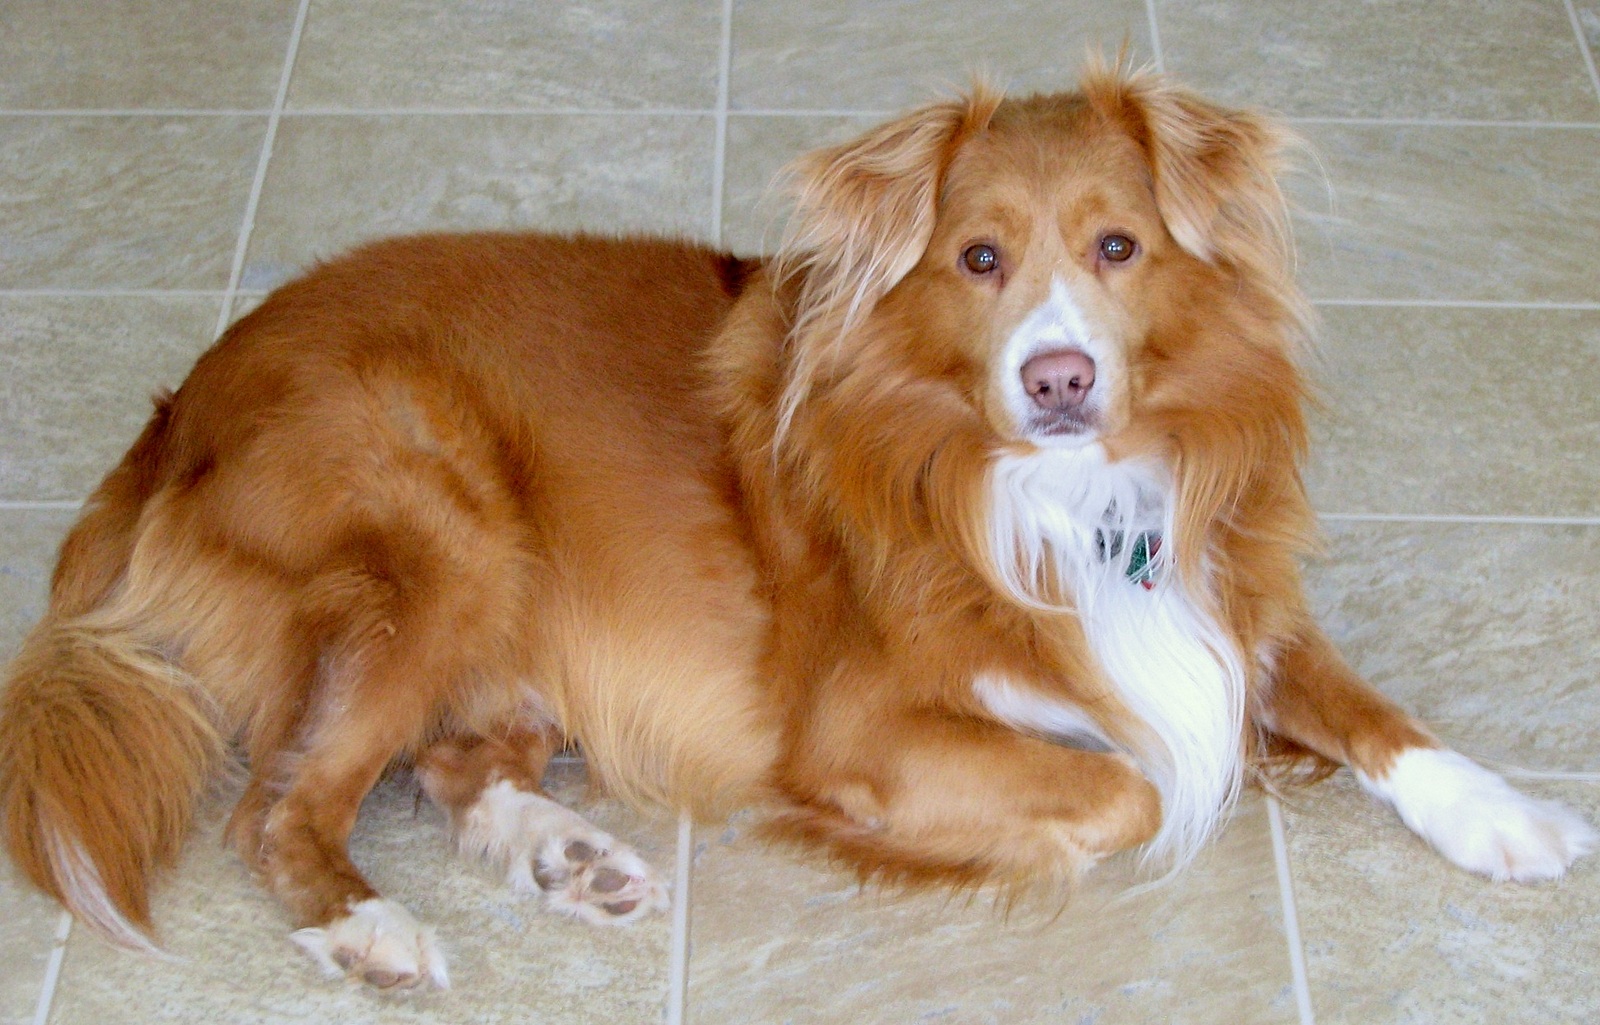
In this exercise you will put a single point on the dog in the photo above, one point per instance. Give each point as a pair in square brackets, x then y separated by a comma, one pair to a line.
[964, 534]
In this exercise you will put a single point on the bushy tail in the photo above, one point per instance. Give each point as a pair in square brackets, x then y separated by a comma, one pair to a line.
[104, 748]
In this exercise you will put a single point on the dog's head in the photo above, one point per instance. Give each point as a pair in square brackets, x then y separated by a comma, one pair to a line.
[1054, 257]
[1106, 270]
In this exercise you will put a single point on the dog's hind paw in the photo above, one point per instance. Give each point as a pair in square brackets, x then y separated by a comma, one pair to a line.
[1479, 821]
[545, 848]
[589, 876]
[377, 943]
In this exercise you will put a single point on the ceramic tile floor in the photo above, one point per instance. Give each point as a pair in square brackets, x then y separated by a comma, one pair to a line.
[163, 162]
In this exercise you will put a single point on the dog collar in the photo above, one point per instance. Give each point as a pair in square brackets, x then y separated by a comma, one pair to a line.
[1142, 566]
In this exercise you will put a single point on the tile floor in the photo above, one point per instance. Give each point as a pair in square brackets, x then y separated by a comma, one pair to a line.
[163, 162]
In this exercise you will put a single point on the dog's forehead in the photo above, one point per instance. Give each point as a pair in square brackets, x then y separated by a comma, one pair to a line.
[1054, 149]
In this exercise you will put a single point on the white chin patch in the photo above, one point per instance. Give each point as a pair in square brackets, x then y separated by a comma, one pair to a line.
[1477, 820]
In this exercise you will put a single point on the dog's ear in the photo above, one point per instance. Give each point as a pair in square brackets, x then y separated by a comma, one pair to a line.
[865, 209]
[1215, 170]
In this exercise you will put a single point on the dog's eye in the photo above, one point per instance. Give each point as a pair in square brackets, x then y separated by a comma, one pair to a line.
[980, 259]
[1116, 248]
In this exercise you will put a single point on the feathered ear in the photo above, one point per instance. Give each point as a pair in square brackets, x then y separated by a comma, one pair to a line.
[864, 210]
[1215, 170]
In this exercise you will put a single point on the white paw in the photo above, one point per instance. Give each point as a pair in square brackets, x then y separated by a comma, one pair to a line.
[1477, 820]
[378, 943]
[545, 848]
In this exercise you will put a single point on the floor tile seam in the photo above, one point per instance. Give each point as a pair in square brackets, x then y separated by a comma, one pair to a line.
[49, 985]
[1464, 304]
[258, 183]
[207, 293]
[733, 111]
[1546, 775]
[1466, 519]
[719, 145]
[1291, 914]
[117, 293]
[678, 954]
[1155, 36]
[1584, 48]
[1440, 122]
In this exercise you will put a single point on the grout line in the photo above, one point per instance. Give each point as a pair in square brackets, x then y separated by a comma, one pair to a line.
[1442, 122]
[52, 971]
[1291, 916]
[678, 959]
[248, 226]
[158, 112]
[1515, 521]
[132, 112]
[212, 293]
[1155, 36]
[719, 150]
[112, 293]
[1556, 775]
[498, 112]
[1465, 304]
[1583, 47]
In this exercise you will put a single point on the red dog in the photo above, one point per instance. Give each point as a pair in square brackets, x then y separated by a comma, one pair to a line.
[967, 532]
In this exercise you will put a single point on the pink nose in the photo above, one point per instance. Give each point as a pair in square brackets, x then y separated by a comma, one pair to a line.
[1058, 380]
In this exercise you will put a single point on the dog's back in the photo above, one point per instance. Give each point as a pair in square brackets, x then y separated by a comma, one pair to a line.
[375, 514]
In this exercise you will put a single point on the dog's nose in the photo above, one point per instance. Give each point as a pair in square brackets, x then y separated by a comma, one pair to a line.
[1058, 380]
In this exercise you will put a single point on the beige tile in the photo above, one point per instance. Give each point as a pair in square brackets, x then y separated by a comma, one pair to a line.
[874, 55]
[1448, 212]
[775, 940]
[79, 374]
[1499, 60]
[138, 54]
[123, 202]
[1485, 631]
[338, 180]
[506, 53]
[1458, 411]
[28, 542]
[758, 148]
[1393, 933]
[509, 962]
[25, 945]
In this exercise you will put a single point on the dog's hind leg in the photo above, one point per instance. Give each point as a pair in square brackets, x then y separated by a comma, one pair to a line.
[492, 789]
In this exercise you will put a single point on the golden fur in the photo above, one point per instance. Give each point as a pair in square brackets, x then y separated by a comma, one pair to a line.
[724, 525]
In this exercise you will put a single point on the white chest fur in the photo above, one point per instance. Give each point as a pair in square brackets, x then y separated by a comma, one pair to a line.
[1169, 662]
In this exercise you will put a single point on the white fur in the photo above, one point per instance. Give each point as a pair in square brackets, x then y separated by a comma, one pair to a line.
[376, 942]
[1171, 664]
[1477, 820]
[85, 893]
[1023, 708]
[527, 835]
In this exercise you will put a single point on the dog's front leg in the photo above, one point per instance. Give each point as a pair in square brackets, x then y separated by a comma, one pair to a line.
[1469, 814]
[913, 791]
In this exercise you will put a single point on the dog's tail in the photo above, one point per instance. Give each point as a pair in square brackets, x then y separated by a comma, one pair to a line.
[104, 743]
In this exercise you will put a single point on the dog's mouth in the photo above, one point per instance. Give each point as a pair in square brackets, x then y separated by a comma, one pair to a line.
[1063, 424]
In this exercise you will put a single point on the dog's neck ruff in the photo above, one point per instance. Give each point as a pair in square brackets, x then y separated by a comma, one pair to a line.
[1073, 533]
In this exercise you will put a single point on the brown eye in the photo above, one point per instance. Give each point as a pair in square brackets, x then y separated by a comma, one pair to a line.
[980, 259]
[1116, 248]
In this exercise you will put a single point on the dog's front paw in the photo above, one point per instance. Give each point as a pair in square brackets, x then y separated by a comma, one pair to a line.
[545, 848]
[1479, 821]
[377, 943]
